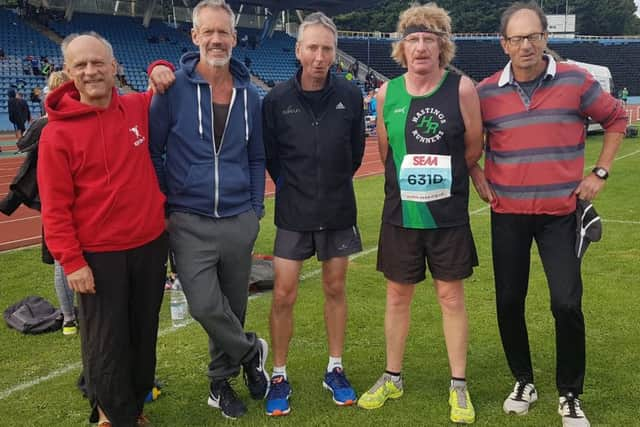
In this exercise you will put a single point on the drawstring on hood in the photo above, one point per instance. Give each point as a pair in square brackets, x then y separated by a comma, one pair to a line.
[199, 112]
[246, 119]
[241, 80]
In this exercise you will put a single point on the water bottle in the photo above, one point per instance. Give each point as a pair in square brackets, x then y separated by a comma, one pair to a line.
[179, 307]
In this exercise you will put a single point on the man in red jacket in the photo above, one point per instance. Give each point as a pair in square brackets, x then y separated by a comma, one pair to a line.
[103, 215]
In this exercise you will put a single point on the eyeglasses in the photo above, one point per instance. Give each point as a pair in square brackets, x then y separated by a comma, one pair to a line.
[532, 38]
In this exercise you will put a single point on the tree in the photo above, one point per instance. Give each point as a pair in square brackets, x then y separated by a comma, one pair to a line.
[593, 17]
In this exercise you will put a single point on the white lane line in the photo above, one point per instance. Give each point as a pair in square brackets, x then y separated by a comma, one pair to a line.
[77, 365]
[61, 371]
[65, 369]
[28, 218]
[620, 221]
[19, 240]
[54, 374]
[633, 153]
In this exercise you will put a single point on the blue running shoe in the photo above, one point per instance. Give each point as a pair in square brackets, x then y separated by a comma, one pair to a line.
[278, 397]
[338, 384]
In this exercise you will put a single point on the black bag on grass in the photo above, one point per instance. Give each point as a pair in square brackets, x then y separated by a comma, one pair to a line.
[33, 315]
[261, 277]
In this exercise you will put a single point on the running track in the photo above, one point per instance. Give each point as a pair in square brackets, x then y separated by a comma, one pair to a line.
[23, 228]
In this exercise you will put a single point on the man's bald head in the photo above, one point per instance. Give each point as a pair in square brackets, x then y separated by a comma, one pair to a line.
[89, 62]
[71, 37]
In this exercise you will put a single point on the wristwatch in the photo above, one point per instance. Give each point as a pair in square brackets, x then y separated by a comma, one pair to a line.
[601, 173]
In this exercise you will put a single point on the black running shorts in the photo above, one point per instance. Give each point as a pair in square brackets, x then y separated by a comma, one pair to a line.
[449, 252]
[300, 245]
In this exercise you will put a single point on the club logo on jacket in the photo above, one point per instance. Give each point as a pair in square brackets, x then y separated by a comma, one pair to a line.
[427, 125]
[291, 110]
[139, 138]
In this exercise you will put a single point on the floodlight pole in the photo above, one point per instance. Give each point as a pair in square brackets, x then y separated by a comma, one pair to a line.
[368, 51]
[566, 14]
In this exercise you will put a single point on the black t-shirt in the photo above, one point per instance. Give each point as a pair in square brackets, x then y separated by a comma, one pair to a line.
[530, 86]
[220, 112]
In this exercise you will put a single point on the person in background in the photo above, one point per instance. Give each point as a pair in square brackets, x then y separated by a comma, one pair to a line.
[64, 293]
[35, 65]
[35, 97]
[624, 95]
[19, 114]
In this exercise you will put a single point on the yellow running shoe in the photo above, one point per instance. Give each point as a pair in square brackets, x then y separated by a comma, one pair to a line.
[385, 388]
[462, 411]
[69, 328]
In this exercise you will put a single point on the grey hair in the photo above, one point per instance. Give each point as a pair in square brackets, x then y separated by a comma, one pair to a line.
[213, 4]
[318, 18]
[516, 7]
[71, 37]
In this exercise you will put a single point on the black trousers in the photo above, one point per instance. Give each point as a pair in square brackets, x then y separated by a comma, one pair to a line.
[119, 328]
[511, 237]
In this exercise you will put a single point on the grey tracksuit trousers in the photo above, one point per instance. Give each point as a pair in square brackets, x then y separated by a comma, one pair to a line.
[213, 256]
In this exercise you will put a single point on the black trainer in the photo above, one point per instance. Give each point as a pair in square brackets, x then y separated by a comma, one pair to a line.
[223, 397]
[255, 374]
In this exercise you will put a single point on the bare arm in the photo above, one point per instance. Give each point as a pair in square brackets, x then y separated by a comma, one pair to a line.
[381, 130]
[470, 109]
[591, 185]
[473, 138]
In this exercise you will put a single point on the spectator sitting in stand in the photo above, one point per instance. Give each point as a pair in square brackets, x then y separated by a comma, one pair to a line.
[35, 66]
[26, 65]
[46, 68]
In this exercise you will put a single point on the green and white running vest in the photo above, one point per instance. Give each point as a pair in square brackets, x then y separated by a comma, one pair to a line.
[426, 177]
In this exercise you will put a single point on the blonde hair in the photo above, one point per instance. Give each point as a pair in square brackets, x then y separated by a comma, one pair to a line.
[56, 79]
[433, 17]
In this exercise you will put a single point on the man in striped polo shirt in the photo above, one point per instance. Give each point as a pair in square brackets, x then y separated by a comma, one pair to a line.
[534, 113]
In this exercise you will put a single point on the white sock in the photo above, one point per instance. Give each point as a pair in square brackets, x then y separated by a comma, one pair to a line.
[334, 362]
[280, 370]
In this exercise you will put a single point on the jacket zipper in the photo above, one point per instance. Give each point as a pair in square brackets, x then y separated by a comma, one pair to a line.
[316, 125]
[216, 152]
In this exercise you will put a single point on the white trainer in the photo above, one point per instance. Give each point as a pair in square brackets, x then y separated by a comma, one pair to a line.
[520, 399]
[570, 409]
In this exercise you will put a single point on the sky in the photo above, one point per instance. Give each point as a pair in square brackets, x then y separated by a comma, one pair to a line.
[638, 4]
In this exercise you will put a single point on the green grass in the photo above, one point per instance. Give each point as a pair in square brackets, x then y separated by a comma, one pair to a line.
[610, 269]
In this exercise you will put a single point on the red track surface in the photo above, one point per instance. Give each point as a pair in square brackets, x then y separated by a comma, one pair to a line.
[23, 228]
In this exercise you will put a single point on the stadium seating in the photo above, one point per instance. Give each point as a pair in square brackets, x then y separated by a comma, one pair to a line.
[480, 57]
[19, 41]
[274, 59]
[622, 58]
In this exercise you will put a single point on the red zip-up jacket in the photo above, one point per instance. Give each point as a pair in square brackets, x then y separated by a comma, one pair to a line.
[98, 187]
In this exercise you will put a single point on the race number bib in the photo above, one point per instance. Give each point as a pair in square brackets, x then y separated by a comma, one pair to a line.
[425, 177]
